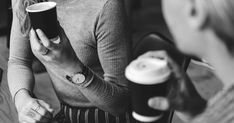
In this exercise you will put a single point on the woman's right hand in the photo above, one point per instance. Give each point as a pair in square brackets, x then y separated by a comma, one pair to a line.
[31, 110]
[182, 96]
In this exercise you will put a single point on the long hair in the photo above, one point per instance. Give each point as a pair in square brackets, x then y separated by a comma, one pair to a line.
[19, 7]
[221, 20]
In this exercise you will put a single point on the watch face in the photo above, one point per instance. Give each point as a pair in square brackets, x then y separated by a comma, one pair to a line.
[78, 78]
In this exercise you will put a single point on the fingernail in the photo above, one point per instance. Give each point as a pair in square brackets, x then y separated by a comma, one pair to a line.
[31, 31]
[38, 30]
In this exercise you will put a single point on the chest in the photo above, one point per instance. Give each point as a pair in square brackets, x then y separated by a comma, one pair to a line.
[78, 18]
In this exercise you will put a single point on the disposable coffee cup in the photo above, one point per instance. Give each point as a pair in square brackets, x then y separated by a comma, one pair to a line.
[148, 78]
[43, 16]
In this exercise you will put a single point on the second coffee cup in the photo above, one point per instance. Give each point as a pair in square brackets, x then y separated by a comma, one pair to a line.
[149, 78]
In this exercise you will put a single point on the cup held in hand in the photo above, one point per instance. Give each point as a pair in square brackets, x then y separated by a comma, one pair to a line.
[44, 16]
[149, 78]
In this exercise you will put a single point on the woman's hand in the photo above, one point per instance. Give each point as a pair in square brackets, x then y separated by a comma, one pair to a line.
[162, 103]
[55, 55]
[182, 95]
[31, 110]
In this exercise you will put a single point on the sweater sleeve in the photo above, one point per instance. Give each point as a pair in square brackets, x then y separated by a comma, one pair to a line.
[19, 65]
[220, 108]
[110, 92]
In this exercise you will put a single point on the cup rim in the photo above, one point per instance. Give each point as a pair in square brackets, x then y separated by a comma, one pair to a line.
[52, 5]
[136, 77]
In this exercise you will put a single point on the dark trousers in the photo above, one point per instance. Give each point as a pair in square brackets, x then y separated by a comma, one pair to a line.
[69, 114]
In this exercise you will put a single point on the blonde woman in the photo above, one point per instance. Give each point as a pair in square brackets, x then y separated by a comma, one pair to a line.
[86, 68]
[204, 28]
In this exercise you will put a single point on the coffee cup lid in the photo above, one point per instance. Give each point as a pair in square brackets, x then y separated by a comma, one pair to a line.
[40, 7]
[148, 71]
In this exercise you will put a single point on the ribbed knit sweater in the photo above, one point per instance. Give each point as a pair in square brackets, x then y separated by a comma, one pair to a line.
[220, 108]
[97, 31]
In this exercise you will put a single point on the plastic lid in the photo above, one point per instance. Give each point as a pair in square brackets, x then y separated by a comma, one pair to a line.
[148, 71]
[40, 7]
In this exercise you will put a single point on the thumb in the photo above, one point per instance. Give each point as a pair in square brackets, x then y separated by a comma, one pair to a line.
[159, 103]
[46, 106]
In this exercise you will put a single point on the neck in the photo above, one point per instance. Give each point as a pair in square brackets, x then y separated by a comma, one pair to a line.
[222, 61]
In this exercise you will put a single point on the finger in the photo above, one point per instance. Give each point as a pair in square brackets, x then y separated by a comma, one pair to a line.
[46, 106]
[35, 43]
[48, 111]
[159, 103]
[27, 119]
[32, 112]
[36, 116]
[42, 114]
[44, 40]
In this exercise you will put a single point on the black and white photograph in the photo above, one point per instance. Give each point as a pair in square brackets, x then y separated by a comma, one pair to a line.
[116, 61]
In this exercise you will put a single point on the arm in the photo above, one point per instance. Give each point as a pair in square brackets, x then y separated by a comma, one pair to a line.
[19, 66]
[110, 92]
[20, 75]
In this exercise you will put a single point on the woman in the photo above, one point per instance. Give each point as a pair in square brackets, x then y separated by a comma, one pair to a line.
[203, 28]
[94, 46]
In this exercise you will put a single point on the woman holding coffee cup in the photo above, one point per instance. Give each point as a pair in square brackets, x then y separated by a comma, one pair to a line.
[86, 64]
[203, 28]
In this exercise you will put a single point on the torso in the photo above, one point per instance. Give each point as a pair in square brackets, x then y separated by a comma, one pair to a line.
[78, 18]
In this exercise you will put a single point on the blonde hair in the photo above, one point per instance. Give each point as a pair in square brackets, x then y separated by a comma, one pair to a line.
[221, 20]
[19, 7]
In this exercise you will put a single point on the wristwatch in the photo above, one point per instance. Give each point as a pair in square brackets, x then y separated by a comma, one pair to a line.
[78, 77]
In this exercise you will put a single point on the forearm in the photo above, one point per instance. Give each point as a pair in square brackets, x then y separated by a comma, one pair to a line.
[109, 92]
[106, 94]
[19, 76]
[19, 65]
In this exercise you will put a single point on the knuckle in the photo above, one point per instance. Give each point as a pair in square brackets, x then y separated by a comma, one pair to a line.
[37, 48]
[46, 44]
[51, 58]
[43, 112]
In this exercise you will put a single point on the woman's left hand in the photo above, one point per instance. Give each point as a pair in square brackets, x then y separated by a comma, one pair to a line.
[59, 55]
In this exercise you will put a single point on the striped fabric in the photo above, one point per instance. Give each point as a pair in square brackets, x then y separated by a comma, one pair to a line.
[70, 114]
[220, 108]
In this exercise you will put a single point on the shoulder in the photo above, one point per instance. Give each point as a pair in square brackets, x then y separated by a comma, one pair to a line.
[220, 108]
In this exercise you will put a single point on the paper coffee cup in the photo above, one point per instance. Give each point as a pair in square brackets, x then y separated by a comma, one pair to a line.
[43, 16]
[149, 78]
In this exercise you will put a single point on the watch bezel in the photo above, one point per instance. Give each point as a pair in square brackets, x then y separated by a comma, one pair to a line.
[78, 78]
[83, 74]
